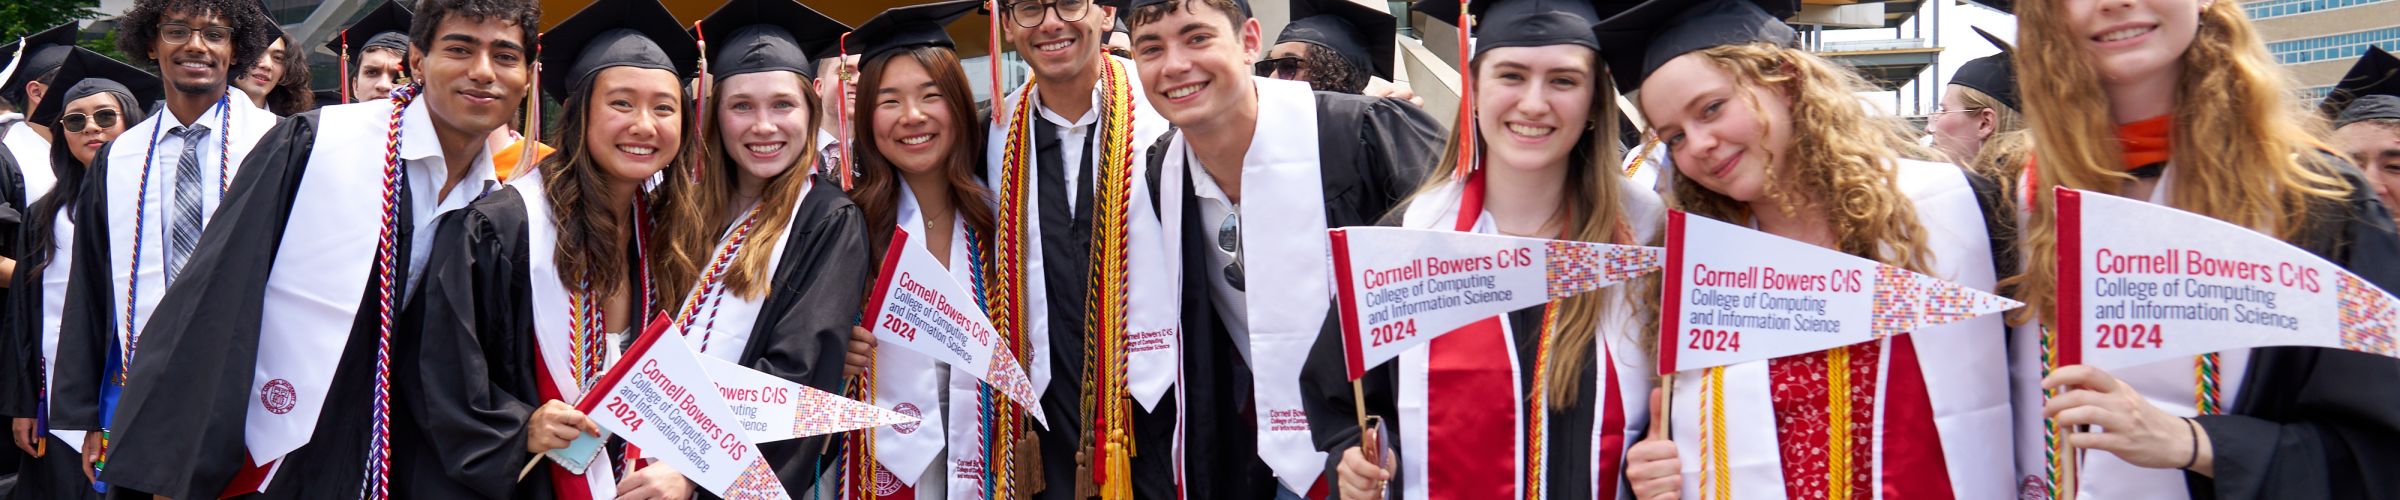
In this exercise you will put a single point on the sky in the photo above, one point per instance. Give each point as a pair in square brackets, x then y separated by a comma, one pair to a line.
[1958, 41]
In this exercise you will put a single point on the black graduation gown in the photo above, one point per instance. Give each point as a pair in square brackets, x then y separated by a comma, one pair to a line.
[1333, 417]
[465, 362]
[178, 430]
[2313, 422]
[803, 327]
[59, 472]
[1374, 152]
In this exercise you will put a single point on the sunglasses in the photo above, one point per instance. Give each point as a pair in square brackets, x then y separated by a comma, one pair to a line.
[1229, 239]
[1281, 67]
[74, 122]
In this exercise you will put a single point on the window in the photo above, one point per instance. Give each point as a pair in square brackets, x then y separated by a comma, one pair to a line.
[2334, 47]
[2279, 8]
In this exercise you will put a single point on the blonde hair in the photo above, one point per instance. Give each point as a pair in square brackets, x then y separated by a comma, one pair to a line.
[2239, 135]
[1594, 211]
[2002, 156]
[1840, 162]
[691, 219]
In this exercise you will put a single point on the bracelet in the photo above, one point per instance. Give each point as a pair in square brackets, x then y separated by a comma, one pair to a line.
[2194, 426]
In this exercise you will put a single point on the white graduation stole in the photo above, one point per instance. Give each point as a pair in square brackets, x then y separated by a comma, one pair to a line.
[720, 320]
[552, 321]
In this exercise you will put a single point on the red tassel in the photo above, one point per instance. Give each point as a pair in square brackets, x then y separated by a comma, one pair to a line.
[345, 68]
[849, 137]
[1466, 98]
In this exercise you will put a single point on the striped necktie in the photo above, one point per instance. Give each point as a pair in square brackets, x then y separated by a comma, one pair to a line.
[184, 225]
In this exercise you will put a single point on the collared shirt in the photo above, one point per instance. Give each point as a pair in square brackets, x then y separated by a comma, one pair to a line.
[1233, 304]
[211, 152]
[426, 171]
[1071, 132]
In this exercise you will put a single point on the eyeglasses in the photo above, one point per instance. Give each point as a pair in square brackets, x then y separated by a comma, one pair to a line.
[1968, 110]
[74, 122]
[1229, 239]
[1281, 67]
[1029, 13]
[178, 34]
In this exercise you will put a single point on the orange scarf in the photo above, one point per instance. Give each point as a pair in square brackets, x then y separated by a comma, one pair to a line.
[2140, 144]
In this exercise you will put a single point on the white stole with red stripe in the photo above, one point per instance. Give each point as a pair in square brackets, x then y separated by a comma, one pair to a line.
[724, 321]
[911, 383]
[553, 324]
[1962, 364]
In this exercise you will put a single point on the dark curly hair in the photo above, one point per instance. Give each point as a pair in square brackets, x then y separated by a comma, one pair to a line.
[253, 31]
[526, 14]
[1329, 71]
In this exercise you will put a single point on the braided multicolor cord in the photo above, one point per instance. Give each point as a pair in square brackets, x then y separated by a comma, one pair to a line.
[712, 285]
[1007, 285]
[1107, 391]
[2205, 391]
[1537, 411]
[379, 451]
[2052, 467]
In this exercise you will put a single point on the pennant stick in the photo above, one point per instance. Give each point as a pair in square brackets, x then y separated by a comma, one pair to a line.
[537, 460]
[1666, 407]
[2070, 459]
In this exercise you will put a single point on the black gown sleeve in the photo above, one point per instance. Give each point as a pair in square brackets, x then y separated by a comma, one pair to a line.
[20, 329]
[87, 328]
[820, 282]
[179, 423]
[465, 376]
[2313, 422]
[1405, 142]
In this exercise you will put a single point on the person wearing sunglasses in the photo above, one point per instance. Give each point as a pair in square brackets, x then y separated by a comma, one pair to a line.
[144, 209]
[105, 97]
[1334, 45]
[1057, 149]
[1271, 165]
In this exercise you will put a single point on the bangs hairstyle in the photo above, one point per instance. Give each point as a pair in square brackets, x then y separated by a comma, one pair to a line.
[291, 95]
[590, 247]
[1594, 211]
[878, 188]
[2242, 143]
[525, 15]
[1840, 163]
[690, 214]
[253, 31]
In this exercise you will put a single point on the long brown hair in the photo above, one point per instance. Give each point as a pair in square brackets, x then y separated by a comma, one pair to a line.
[590, 246]
[878, 190]
[1840, 163]
[1594, 211]
[692, 215]
[2241, 142]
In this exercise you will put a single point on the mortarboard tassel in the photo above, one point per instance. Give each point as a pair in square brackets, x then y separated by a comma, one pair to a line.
[344, 65]
[1466, 99]
[849, 139]
[700, 105]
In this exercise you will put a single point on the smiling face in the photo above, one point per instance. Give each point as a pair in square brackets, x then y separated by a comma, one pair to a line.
[912, 122]
[377, 74]
[762, 121]
[1532, 104]
[1721, 134]
[265, 73]
[86, 143]
[1195, 64]
[2135, 40]
[474, 74]
[635, 118]
[196, 64]
[1058, 50]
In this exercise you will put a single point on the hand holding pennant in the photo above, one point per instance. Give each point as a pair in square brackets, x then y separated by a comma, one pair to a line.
[660, 398]
[763, 402]
[922, 309]
[1400, 287]
[1736, 295]
[2159, 283]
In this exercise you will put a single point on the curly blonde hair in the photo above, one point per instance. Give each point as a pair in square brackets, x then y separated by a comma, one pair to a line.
[2241, 141]
[1839, 164]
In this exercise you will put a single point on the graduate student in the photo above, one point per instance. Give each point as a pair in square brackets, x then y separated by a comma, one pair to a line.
[759, 261]
[279, 82]
[1980, 126]
[1256, 171]
[294, 290]
[1554, 392]
[529, 290]
[142, 209]
[2178, 103]
[1768, 136]
[2365, 107]
[37, 61]
[1059, 149]
[1334, 45]
[372, 52]
[104, 99]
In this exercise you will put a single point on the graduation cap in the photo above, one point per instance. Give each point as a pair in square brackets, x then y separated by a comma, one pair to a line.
[1639, 40]
[1992, 75]
[37, 54]
[614, 33]
[907, 27]
[385, 27]
[1361, 34]
[94, 73]
[2009, 6]
[2370, 91]
[1522, 23]
[768, 35]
